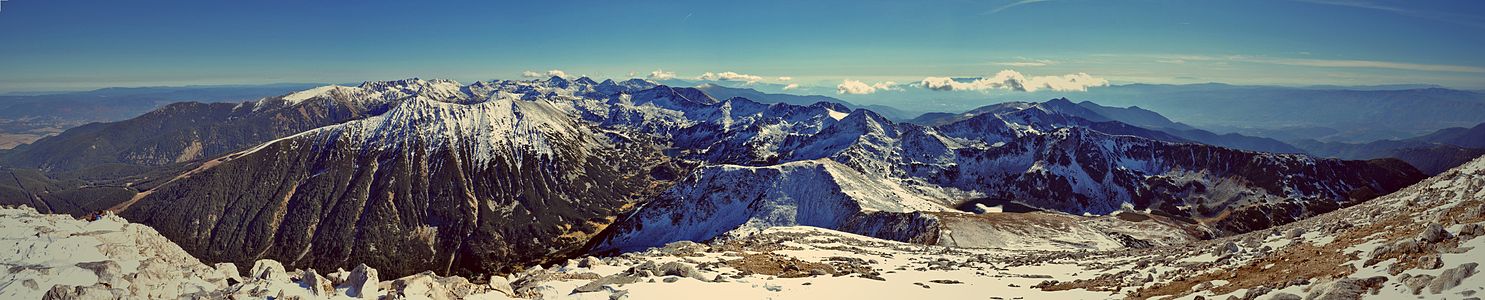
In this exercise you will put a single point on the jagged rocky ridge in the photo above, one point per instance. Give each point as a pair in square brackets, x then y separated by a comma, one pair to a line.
[494, 176]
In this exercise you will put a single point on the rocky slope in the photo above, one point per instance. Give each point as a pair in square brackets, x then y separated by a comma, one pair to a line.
[1422, 241]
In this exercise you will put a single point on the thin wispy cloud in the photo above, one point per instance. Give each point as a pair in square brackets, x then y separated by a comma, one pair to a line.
[1330, 63]
[1028, 63]
[549, 73]
[1460, 19]
[1013, 4]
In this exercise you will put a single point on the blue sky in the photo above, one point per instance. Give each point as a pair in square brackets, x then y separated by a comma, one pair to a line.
[74, 44]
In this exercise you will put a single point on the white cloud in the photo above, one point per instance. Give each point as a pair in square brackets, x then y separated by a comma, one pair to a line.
[791, 86]
[785, 78]
[661, 75]
[549, 73]
[632, 73]
[854, 87]
[1015, 81]
[730, 76]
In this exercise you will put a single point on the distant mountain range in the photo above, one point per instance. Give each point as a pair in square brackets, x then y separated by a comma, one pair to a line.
[25, 118]
[723, 92]
[112, 104]
[1432, 153]
[1338, 115]
[1133, 115]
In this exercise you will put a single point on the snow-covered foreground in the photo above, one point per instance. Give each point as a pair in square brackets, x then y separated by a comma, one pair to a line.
[1418, 243]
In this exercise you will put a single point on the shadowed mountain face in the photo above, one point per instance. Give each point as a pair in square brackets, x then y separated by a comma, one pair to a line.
[494, 176]
[428, 185]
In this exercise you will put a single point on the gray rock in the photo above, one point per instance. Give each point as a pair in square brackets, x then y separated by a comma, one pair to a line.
[1285, 296]
[108, 272]
[362, 282]
[589, 262]
[1349, 288]
[670, 279]
[1226, 249]
[95, 292]
[1416, 283]
[619, 295]
[1295, 233]
[679, 269]
[597, 285]
[1450, 278]
[1430, 262]
[1471, 231]
[1433, 233]
[1253, 293]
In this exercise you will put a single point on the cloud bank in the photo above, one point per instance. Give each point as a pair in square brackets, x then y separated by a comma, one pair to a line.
[1015, 81]
[659, 74]
[730, 76]
[549, 73]
[854, 87]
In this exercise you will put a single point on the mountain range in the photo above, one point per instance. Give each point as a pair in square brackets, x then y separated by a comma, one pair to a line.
[496, 176]
[1432, 153]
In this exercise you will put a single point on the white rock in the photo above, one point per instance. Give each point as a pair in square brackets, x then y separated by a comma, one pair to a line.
[362, 283]
[268, 269]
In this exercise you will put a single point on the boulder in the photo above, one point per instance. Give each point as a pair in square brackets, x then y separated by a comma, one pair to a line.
[268, 269]
[1430, 262]
[1450, 278]
[1471, 231]
[501, 284]
[317, 285]
[597, 285]
[229, 271]
[1285, 296]
[1434, 233]
[95, 292]
[589, 262]
[1349, 288]
[362, 282]
[1226, 249]
[108, 272]
[420, 286]
[679, 269]
[1416, 283]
